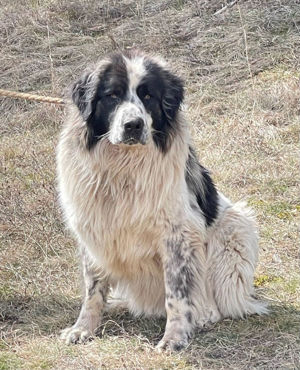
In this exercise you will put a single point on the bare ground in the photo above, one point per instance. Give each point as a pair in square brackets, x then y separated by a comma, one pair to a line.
[242, 97]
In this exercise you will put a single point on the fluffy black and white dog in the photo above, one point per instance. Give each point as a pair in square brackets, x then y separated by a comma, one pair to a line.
[149, 221]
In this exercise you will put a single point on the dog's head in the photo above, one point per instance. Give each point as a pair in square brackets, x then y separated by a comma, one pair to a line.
[130, 99]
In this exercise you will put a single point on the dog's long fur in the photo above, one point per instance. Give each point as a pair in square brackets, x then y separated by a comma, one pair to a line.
[148, 219]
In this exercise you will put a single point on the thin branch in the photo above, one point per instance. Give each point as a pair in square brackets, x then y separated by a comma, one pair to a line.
[33, 97]
[227, 6]
[246, 43]
[51, 60]
[114, 42]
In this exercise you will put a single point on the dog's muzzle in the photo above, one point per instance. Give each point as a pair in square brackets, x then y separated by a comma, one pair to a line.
[133, 132]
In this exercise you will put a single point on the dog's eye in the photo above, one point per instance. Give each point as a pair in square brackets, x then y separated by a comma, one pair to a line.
[112, 96]
[147, 97]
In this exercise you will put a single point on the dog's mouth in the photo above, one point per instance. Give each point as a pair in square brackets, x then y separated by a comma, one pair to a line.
[129, 142]
[133, 141]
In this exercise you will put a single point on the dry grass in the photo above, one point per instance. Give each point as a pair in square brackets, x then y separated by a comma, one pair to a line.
[245, 114]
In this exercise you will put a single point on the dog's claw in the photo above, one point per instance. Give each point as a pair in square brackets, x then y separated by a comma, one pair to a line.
[171, 345]
[74, 335]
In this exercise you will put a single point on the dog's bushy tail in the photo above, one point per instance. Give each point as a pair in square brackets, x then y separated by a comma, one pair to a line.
[235, 245]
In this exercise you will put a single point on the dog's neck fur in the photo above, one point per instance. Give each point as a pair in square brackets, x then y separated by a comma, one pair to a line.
[136, 181]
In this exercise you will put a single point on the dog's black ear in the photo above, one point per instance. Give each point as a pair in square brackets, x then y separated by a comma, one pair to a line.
[82, 93]
[173, 95]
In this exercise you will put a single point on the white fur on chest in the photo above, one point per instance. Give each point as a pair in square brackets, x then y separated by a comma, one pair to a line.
[119, 201]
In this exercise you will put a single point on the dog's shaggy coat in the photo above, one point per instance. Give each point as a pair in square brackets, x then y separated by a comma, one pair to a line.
[148, 219]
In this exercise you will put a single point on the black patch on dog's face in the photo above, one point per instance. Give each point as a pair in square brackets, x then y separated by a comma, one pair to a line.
[161, 93]
[97, 103]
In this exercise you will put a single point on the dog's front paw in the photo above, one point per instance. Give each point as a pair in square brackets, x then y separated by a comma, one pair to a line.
[174, 342]
[75, 334]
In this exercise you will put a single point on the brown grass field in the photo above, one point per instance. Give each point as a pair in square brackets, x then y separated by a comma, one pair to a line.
[242, 98]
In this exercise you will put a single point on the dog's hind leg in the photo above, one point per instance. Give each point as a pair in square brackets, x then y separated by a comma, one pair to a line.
[96, 289]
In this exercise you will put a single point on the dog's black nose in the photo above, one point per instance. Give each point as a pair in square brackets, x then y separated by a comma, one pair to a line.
[134, 128]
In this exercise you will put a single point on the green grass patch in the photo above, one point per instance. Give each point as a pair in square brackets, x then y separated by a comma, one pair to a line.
[280, 209]
[263, 280]
[9, 361]
[6, 291]
[42, 364]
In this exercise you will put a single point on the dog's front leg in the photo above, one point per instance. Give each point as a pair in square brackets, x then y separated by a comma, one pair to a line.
[181, 272]
[96, 288]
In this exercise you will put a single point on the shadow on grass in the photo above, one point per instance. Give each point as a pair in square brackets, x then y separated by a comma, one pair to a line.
[256, 342]
[47, 315]
[282, 321]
